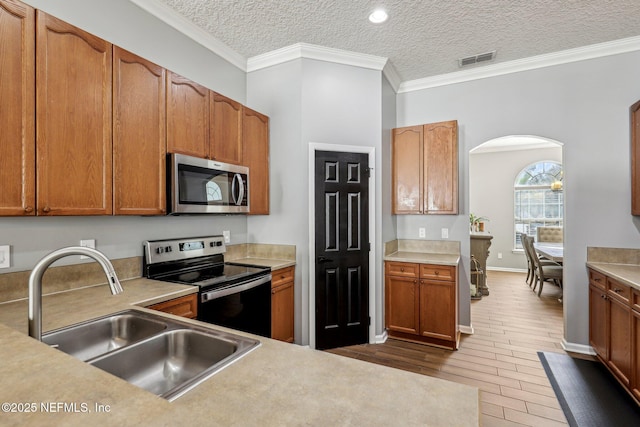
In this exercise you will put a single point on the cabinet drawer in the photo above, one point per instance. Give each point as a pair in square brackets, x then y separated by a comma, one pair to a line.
[597, 279]
[186, 306]
[619, 290]
[437, 272]
[402, 269]
[283, 275]
[635, 302]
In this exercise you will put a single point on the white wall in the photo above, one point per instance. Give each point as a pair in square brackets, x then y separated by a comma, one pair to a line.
[491, 179]
[126, 25]
[586, 106]
[312, 101]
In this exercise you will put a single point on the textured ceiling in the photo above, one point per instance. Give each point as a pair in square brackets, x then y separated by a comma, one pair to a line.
[422, 38]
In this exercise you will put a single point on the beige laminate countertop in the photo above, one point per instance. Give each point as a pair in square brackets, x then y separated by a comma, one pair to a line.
[424, 258]
[274, 264]
[277, 384]
[628, 274]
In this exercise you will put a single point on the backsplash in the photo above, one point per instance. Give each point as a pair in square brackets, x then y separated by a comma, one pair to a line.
[15, 285]
[613, 255]
[423, 246]
[260, 250]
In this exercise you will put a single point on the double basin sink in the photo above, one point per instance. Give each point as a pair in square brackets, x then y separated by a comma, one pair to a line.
[164, 356]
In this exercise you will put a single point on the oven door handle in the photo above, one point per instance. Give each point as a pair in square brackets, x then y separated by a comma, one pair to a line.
[234, 289]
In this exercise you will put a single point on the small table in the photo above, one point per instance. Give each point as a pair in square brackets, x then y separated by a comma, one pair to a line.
[550, 250]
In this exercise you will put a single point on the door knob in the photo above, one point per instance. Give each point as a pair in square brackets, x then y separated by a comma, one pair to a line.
[322, 259]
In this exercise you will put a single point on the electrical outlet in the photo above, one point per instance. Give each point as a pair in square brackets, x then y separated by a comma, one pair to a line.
[445, 233]
[422, 232]
[5, 256]
[499, 255]
[87, 243]
[227, 236]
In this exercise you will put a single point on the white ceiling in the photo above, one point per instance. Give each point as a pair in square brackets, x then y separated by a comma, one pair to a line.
[422, 38]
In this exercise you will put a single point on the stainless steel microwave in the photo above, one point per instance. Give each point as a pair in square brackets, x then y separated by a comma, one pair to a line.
[199, 186]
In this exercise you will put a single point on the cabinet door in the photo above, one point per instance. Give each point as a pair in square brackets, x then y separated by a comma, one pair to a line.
[186, 306]
[402, 304]
[635, 158]
[598, 323]
[282, 312]
[139, 135]
[635, 353]
[187, 117]
[226, 129]
[17, 109]
[441, 168]
[73, 113]
[406, 170]
[619, 358]
[255, 135]
[437, 309]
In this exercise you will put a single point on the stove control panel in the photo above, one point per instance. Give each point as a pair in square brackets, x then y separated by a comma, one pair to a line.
[180, 249]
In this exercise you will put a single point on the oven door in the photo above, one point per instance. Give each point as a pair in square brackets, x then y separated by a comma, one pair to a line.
[204, 186]
[245, 306]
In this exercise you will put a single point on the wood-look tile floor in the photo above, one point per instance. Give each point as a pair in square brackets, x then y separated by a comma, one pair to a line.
[510, 326]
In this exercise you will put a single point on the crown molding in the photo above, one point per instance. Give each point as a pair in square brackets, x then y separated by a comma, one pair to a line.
[540, 61]
[310, 51]
[170, 17]
[392, 76]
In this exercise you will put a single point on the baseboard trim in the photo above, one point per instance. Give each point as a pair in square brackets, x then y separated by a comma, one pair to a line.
[507, 269]
[380, 339]
[467, 330]
[577, 348]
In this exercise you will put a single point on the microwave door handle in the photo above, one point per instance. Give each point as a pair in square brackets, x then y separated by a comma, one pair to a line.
[237, 178]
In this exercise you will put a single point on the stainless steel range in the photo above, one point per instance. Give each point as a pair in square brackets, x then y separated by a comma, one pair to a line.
[231, 295]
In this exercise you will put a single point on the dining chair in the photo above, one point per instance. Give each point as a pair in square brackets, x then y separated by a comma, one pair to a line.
[549, 234]
[544, 270]
[530, 252]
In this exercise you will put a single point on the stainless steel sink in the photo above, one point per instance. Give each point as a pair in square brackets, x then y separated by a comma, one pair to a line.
[161, 355]
[96, 337]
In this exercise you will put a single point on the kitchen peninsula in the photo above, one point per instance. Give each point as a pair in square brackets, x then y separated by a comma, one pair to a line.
[276, 384]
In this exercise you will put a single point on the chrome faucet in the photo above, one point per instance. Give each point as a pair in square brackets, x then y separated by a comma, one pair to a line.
[35, 282]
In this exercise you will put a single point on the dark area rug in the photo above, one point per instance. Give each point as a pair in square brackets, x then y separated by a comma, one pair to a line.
[588, 393]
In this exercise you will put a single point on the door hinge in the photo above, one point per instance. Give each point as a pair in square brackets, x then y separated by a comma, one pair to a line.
[369, 320]
[368, 172]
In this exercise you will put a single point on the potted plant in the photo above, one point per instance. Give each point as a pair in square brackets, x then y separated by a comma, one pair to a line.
[476, 223]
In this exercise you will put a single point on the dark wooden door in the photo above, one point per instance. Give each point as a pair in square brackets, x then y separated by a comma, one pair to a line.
[342, 248]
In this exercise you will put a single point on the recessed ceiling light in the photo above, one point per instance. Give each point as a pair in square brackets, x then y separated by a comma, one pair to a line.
[378, 16]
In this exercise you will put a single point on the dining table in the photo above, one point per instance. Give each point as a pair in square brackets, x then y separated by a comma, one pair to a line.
[550, 250]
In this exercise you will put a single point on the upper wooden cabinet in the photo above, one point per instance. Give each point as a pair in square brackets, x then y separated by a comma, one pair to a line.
[226, 129]
[425, 169]
[139, 135]
[187, 116]
[635, 158]
[17, 109]
[73, 115]
[255, 136]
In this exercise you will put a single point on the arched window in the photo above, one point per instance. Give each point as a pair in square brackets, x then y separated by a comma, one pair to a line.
[214, 192]
[538, 198]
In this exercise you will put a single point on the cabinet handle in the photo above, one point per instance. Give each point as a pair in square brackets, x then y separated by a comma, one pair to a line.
[617, 290]
[598, 279]
[46, 209]
[28, 209]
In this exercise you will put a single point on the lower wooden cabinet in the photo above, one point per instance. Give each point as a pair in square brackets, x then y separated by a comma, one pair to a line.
[614, 328]
[186, 306]
[282, 304]
[421, 303]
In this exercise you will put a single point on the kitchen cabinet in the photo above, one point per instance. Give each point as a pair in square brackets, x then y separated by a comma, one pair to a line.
[17, 109]
[255, 136]
[282, 304]
[73, 120]
[186, 306]
[421, 303]
[612, 327]
[425, 169]
[139, 135]
[187, 117]
[226, 129]
[635, 344]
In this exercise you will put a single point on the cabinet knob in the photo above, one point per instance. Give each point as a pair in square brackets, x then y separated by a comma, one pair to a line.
[617, 290]
[437, 273]
[46, 209]
[28, 209]
[402, 269]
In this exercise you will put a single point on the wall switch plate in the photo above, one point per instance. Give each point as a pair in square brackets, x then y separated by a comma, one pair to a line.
[422, 232]
[499, 255]
[87, 243]
[227, 236]
[5, 256]
[445, 233]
